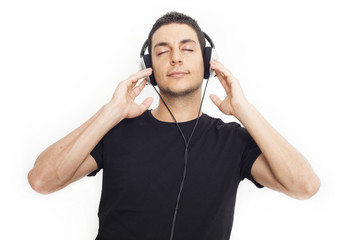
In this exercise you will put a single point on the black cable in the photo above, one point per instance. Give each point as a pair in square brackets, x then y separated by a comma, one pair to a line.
[185, 154]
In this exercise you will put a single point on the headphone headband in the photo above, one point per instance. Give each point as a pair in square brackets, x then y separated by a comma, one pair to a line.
[145, 45]
[209, 40]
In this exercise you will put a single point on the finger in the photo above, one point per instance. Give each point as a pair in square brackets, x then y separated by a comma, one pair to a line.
[216, 100]
[225, 74]
[217, 62]
[146, 104]
[223, 81]
[141, 74]
[217, 65]
[230, 77]
[134, 78]
[135, 91]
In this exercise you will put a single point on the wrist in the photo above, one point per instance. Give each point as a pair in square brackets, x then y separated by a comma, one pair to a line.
[111, 114]
[243, 110]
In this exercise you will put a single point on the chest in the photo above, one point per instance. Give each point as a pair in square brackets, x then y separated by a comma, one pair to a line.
[140, 166]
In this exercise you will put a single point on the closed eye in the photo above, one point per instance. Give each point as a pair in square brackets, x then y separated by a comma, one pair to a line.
[190, 50]
[162, 53]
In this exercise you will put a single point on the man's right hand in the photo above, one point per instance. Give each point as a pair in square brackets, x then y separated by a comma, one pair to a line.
[122, 102]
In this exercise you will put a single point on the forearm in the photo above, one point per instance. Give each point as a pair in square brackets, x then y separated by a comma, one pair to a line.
[288, 165]
[58, 163]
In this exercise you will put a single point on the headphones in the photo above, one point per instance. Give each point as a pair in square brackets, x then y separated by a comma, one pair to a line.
[208, 55]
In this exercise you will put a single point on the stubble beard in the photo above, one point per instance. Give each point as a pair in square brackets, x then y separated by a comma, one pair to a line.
[183, 93]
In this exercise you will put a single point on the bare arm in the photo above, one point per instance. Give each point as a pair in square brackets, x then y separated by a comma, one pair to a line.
[280, 166]
[63, 161]
[59, 162]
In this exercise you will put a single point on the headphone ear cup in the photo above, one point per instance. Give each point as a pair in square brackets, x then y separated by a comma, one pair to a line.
[214, 55]
[207, 59]
[148, 64]
[141, 64]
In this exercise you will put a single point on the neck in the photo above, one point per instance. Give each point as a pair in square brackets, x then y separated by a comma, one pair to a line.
[184, 108]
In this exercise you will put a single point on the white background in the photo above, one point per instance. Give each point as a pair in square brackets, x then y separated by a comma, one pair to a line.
[60, 61]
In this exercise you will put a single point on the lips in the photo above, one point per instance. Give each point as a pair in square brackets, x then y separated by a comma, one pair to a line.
[177, 74]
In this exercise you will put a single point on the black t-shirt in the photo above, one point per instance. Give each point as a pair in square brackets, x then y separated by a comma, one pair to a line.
[143, 162]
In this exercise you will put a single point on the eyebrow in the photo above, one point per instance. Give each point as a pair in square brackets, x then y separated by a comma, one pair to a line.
[166, 43]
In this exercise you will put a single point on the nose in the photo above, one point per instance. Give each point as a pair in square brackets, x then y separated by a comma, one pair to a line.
[176, 58]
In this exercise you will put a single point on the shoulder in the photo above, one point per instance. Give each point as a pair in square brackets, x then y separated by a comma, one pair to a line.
[126, 126]
[226, 134]
[226, 130]
[234, 129]
[219, 124]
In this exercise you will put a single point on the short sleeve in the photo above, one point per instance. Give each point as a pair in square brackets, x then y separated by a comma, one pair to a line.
[97, 154]
[249, 156]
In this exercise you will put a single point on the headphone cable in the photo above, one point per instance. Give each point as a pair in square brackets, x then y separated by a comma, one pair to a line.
[185, 154]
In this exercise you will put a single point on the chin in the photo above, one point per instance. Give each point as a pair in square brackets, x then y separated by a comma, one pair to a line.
[180, 89]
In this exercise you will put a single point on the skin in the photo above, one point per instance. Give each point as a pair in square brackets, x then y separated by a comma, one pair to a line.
[280, 166]
[182, 94]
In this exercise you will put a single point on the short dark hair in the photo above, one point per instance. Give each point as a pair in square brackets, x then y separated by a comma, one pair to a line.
[176, 17]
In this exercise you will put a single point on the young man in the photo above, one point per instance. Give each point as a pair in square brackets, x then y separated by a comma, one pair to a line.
[142, 152]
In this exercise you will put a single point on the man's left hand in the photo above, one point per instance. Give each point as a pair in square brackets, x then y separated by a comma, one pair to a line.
[235, 101]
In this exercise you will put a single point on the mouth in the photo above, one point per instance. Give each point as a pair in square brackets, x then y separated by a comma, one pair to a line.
[177, 74]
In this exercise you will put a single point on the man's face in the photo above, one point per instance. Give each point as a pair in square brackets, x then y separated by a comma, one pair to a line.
[177, 59]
